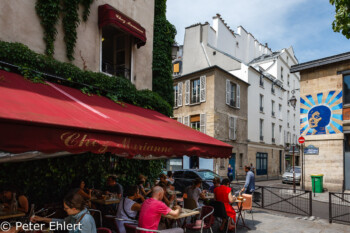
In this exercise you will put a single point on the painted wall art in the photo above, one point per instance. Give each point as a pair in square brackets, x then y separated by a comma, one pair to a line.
[321, 113]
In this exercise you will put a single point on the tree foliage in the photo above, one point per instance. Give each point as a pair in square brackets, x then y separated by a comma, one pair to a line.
[342, 17]
[164, 34]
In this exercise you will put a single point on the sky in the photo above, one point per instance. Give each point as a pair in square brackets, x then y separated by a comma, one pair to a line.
[306, 25]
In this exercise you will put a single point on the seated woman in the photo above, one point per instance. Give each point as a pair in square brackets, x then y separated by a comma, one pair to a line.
[128, 208]
[141, 185]
[74, 204]
[167, 198]
[223, 193]
[170, 177]
[8, 194]
[163, 179]
[194, 192]
[84, 192]
[216, 183]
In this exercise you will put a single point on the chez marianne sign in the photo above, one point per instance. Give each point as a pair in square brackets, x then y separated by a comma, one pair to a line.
[311, 150]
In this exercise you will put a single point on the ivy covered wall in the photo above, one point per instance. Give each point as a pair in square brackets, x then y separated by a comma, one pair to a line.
[164, 34]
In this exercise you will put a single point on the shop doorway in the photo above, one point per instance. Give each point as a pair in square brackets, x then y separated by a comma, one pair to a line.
[347, 161]
[232, 161]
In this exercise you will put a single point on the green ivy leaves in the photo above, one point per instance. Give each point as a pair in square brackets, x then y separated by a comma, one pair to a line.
[164, 34]
[49, 12]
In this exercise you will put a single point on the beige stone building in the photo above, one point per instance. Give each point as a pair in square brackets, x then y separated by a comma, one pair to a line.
[215, 102]
[325, 119]
[116, 39]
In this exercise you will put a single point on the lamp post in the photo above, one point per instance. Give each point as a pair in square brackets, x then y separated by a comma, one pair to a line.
[293, 102]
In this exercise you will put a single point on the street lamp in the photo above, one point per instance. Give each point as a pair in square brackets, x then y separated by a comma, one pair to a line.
[293, 102]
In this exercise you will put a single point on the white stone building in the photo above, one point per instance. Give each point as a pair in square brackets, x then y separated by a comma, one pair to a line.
[273, 124]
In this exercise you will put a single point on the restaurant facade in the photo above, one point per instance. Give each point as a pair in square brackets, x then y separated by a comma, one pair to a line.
[50, 119]
[325, 120]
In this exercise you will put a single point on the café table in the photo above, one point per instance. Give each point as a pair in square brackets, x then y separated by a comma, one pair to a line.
[239, 212]
[8, 214]
[171, 192]
[183, 214]
[209, 196]
[106, 201]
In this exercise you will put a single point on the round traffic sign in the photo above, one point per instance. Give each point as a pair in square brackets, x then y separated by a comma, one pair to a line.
[301, 140]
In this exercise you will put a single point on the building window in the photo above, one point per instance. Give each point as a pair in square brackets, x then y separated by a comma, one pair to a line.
[273, 108]
[195, 91]
[261, 130]
[177, 66]
[282, 73]
[232, 94]
[273, 89]
[116, 52]
[176, 95]
[346, 98]
[280, 111]
[288, 119]
[288, 98]
[195, 122]
[288, 79]
[261, 82]
[240, 160]
[222, 164]
[261, 103]
[261, 163]
[232, 125]
[273, 132]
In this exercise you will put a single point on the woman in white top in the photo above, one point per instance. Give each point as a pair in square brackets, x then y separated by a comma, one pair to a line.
[128, 208]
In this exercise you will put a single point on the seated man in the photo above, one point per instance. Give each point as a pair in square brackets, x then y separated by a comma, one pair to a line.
[153, 208]
[167, 198]
[194, 192]
[113, 187]
[216, 183]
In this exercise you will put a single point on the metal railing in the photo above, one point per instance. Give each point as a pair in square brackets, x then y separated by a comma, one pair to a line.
[339, 207]
[283, 200]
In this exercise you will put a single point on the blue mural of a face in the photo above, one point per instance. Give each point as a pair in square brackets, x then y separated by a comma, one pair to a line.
[319, 117]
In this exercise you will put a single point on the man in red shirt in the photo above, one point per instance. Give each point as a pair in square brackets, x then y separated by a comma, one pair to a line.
[153, 208]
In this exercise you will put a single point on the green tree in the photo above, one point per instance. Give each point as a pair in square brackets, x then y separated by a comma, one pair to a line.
[163, 39]
[342, 17]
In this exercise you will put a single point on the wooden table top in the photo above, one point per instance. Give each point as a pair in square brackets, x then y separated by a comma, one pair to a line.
[210, 196]
[106, 202]
[171, 192]
[240, 201]
[184, 213]
[8, 214]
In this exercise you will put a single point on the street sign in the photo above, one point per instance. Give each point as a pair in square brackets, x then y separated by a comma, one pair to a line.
[311, 150]
[301, 140]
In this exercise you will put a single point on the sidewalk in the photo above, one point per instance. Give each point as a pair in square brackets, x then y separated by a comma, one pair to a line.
[273, 222]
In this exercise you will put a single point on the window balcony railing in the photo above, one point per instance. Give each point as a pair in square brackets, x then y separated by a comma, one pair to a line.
[273, 114]
[109, 68]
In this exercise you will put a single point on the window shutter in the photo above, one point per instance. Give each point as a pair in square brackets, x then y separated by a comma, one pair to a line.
[228, 92]
[187, 92]
[238, 99]
[203, 121]
[179, 101]
[202, 92]
[186, 120]
[231, 126]
[234, 128]
[179, 119]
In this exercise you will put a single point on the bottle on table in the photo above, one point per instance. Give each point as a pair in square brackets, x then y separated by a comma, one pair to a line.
[14, 204]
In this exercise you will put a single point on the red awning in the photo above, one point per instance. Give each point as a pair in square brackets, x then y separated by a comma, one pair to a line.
[107, 15]
[52, 118]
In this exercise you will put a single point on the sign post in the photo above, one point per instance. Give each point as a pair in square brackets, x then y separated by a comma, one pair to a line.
[301, 140]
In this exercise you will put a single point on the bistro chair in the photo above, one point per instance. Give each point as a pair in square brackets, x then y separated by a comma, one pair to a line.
[207, 220]
[248, 204]
[103, 230]
[99, 215]
[220, 212]
[117, 224]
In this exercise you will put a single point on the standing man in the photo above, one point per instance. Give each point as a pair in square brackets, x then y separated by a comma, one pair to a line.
[153, 208]
[230, 173]
[249, 185]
